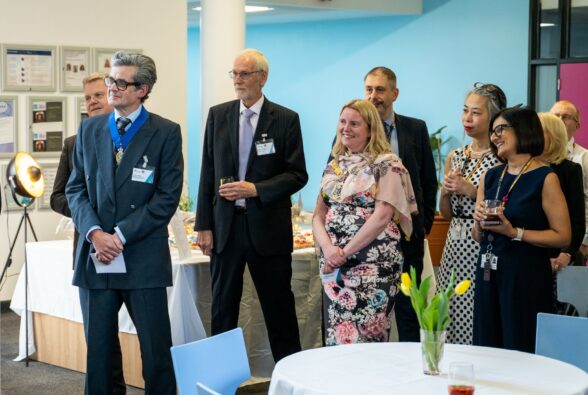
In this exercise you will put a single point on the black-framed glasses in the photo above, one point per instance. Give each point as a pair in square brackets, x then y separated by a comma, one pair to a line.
[242, 74]
[120, 84]
[499, 129]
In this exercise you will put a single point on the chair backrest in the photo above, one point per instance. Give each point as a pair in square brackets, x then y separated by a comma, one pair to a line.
[564, 338]
[572, 288]
[201, 389]
[219, 362]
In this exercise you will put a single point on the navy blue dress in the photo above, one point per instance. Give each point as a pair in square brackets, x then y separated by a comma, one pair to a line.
[506, 307]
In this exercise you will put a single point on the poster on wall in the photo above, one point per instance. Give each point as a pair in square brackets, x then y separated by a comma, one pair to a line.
[8, 122]
[75, 66]
[47, 125]
[49, 173]
[81, 112]
[28, 68]
[102, 57]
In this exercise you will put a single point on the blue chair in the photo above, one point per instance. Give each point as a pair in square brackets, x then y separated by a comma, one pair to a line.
[217, 362]
[564, 338]
[572, 288]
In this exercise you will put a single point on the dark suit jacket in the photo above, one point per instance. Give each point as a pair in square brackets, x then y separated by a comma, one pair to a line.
[58, 198]
[417, 157]
[570, 178]
[276, 176]
[97, 195]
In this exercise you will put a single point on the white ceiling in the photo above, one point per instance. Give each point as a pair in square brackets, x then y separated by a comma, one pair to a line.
[317, 10]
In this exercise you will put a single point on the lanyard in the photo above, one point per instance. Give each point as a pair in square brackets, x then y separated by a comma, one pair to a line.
[466, 162]
[521, 172]
[464, 166]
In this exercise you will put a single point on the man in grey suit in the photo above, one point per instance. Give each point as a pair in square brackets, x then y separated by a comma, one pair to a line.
[409, 139]
[124, 188]
[248, 221]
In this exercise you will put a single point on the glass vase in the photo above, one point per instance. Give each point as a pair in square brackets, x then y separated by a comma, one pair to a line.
[432, 345]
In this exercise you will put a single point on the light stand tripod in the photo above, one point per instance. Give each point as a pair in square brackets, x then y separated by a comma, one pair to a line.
[24, 203]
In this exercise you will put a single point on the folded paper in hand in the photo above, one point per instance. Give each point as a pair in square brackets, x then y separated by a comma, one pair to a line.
[117, 265]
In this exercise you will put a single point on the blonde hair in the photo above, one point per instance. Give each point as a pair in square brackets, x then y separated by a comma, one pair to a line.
[556, 148]
[93, 77]
[378, 143]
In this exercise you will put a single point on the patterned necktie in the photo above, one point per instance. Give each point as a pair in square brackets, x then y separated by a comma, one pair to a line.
[245, 140]
[387, 130]
[121, 124]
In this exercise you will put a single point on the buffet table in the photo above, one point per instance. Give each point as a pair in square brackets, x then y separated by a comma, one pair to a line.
[386, 368]
[56, 333]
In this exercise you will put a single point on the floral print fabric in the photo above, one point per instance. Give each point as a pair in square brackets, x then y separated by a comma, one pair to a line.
[358, 304]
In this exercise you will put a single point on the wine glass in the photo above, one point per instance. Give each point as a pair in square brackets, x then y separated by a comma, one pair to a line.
[461, 378]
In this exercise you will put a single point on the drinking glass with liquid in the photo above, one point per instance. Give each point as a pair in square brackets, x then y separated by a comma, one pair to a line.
[461, 378]
[493, 207]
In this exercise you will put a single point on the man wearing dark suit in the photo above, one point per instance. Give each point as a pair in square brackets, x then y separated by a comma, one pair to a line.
[259, 144]
[124, 188]
[96, 100]
[409, 139]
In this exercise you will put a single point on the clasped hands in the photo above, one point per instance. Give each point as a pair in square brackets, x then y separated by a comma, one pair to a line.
[453, 182]
[334, 257]
[237, 190]
[107, 245]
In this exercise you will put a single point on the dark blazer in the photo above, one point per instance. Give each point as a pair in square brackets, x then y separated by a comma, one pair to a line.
[100, 195]
[417, 157]
[276, 176]
[58, 198]
[570, 179]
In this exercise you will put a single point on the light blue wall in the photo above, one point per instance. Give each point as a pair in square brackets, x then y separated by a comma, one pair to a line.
[315, 67]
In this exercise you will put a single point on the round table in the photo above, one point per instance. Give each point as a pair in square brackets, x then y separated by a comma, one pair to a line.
[386, 368]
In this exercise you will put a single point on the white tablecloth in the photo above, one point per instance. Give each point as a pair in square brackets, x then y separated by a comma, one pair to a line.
[51, 292]
[396, 368]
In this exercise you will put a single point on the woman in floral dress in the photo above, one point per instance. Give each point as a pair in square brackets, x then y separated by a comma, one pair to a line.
[365, 197]
[463, 170]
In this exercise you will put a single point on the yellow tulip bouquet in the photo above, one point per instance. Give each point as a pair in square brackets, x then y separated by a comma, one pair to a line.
[433, 316]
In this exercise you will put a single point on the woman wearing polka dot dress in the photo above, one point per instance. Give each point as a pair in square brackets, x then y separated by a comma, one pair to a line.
[463, 169]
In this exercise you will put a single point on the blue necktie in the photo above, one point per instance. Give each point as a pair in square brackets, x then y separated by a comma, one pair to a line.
[245, 140]
[121, 124]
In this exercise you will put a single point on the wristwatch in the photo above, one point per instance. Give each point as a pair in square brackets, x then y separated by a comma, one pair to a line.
[519, 236]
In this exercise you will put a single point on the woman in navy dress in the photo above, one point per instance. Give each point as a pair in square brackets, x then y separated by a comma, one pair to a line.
[513, 274]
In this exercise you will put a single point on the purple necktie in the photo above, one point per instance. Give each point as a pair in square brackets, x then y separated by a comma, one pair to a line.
[245, 140]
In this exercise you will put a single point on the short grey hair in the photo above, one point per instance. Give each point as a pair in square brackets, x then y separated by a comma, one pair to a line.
[146, 73]
[495, 95]
[260, 59]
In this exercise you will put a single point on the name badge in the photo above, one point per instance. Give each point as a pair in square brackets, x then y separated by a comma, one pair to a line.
[265, 146]
[459, 231]
[143, 174]
[489, 261]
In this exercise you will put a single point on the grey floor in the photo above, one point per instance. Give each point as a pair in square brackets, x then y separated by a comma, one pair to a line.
[43, 379]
